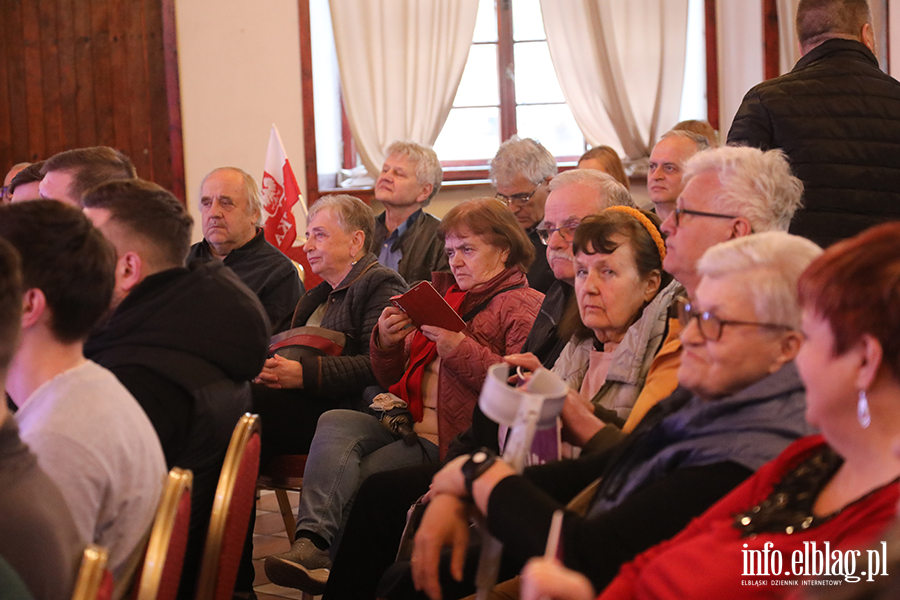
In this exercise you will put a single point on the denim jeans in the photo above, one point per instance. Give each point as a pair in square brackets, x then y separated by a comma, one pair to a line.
[348, 447]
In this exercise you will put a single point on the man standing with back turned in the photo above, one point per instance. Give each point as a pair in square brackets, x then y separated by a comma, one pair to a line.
[836, 116]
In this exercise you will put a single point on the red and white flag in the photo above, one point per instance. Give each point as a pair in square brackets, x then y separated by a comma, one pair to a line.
[284, 211]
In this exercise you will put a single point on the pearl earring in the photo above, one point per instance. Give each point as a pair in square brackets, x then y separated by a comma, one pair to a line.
[862, 410]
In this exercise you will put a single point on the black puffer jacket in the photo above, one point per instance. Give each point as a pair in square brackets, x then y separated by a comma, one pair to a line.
[837, 117]
[186, 343]
[353, 309]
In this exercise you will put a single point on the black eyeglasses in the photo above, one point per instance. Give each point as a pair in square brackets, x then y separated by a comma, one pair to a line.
[519, 200]
[710, 326]
[699, 213]
[566, 232]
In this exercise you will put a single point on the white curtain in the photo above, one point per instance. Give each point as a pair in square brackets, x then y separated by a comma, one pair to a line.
[788, 46]
[400, 63]
[620, 64]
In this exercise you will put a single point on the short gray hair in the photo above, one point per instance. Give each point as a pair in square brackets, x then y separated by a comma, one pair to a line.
[428, 167]
[526, 157]
[352, 214]
[756, 185]
[249, 185]
[702, 128]
[608, 190]
[769, 265]
[821, 20]
[701, 141]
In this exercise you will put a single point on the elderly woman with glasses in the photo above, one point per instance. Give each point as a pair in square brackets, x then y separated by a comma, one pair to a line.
[739, 404]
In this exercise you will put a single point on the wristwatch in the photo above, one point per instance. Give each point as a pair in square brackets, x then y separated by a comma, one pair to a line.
[478, 463]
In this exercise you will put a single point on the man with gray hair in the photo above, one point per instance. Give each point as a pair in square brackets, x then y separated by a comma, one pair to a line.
[666, 168]
[521, 171]
[230, 210]
[729, 192]
[835, 116]
[406, 238]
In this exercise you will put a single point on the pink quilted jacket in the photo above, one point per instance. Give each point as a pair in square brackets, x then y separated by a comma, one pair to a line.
[499, 329]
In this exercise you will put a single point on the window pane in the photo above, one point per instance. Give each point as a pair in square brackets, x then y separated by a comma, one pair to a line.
[535, 78]
[469, 134]
[485, 22]
[553, 126]
[693, 95]
[478, 86]
[527, 21]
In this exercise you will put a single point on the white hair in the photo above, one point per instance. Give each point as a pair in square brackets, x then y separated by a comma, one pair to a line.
[352, 214]
[756, 185]
[526, 157]
[768, 266]
[609, 192]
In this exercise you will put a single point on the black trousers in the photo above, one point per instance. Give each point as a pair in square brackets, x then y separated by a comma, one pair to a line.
[288, 419]
[373, 530]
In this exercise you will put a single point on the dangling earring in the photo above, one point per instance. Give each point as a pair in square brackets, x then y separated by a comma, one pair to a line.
[862, 410]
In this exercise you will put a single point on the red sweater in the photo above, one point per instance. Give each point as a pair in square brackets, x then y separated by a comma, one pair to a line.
[707, 559]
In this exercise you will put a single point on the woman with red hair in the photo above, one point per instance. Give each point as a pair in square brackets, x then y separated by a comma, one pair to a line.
[840, 487]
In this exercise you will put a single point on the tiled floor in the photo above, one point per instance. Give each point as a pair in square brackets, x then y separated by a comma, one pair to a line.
[269, 538]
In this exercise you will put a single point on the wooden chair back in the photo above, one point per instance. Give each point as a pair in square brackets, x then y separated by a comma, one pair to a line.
[231, 510]
[161, 573]
[94, 580]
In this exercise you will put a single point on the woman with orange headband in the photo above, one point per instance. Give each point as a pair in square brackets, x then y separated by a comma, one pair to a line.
[623, 300]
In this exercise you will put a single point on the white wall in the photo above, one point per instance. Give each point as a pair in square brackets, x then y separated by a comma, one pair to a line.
[239, 66]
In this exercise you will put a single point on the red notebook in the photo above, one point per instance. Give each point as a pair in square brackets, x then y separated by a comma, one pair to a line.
[425, 306]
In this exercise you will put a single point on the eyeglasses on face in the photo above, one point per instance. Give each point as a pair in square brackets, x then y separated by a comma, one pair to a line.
[519, 200]
[699, 213]
[566, 232]
[710, 326]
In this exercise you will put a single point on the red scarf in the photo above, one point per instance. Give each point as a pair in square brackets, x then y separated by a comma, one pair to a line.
[422, 353]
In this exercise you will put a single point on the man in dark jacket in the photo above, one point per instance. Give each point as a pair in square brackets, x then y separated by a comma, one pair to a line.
[230, 211]
[837, 117]
[521, 171]
[184, 341]
[406, 237]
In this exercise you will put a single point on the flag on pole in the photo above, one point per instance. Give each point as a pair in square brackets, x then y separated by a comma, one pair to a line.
[284, 210]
